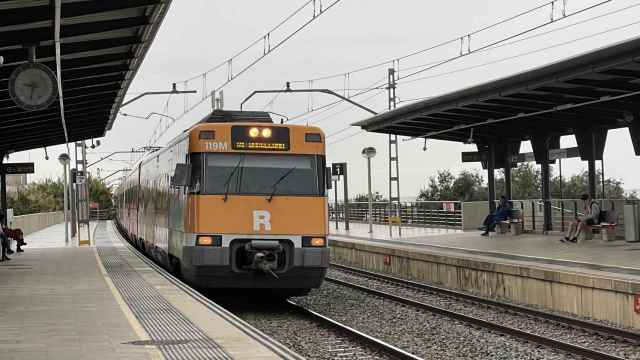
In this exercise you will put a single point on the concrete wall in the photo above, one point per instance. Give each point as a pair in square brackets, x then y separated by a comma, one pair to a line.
[586, 295]
[34, 222]
[473, 214]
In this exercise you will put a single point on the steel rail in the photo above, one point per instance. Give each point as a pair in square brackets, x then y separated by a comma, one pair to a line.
[254, 333]
[279, 349]
[376, 343]
[524, 335]
[601, 329]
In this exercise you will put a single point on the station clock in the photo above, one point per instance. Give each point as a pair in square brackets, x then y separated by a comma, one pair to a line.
[32, 86]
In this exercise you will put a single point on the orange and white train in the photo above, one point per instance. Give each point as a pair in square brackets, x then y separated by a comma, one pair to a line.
[236, 201]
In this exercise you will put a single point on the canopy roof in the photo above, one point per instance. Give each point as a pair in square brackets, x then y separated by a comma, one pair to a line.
[597, 89]
[102, 46]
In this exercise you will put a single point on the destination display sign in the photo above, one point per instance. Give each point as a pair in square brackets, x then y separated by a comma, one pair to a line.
[260, 138]
[18, 168]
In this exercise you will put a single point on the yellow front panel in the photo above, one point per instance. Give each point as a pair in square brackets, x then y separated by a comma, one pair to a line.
[285, 215]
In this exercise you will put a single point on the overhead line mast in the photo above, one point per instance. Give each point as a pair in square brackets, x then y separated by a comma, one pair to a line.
[394, 166]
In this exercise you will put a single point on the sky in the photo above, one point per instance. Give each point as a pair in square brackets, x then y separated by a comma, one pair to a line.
[199, 34]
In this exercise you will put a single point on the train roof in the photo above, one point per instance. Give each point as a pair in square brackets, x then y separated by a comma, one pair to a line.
[232, 116]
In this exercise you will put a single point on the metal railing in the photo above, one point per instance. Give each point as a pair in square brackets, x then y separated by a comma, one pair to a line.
[564, 212]
[442, 214]
[101, 214]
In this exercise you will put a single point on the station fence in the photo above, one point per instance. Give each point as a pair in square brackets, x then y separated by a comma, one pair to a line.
[564, 211]
[101, 214]
[441, 214]
[470, 215]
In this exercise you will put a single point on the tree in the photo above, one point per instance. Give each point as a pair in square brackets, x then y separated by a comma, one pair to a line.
[577, 185]
[48, 195]
[100, 193]
[37, 197]
[440, 187]
[467, 186]
[526, 183]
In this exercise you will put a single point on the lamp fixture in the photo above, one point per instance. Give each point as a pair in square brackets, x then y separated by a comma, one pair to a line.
[470, 139]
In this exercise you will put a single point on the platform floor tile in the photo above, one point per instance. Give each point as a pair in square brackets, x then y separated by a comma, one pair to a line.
[55, 304]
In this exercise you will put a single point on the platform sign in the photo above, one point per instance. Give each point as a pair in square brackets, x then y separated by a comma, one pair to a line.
[636, 304]
[554, 154]
[448, 206]
[18, 168]
[337, 169]
[82, 193]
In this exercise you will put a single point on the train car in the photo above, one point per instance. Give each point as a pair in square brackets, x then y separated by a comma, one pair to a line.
[236, 201]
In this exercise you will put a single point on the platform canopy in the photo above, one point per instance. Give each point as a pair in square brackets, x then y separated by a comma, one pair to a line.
[600, 89]
[102, 45]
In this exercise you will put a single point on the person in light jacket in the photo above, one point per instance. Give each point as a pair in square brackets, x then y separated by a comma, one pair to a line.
[591, 217]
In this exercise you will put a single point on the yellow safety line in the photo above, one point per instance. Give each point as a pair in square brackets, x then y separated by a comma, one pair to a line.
[135, 325]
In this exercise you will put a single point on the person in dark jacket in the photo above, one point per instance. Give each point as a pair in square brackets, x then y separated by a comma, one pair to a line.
[591, 217]
[4, 240]
[502, 213]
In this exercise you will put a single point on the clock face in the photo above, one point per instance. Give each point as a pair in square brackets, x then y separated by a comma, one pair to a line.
[32, 86]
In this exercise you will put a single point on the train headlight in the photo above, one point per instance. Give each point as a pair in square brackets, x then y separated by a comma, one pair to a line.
[266, 133]
[254, 132]
[313, 241]
[209, 240]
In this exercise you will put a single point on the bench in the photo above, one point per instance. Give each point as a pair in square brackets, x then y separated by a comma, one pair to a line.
[513, 226]
[606, 229]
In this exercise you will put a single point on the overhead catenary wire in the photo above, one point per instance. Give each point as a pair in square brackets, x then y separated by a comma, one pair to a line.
[436, 63]
[267, 50]
[530, 52]
[510, 58]
[456, 39]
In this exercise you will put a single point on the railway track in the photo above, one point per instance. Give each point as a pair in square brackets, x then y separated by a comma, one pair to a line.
[342, 342]
[392, 351]
[325, 338]
[565, 321]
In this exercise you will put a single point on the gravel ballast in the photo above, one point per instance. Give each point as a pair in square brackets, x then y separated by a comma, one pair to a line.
[418, 332]
[553, 330]
[303, 334]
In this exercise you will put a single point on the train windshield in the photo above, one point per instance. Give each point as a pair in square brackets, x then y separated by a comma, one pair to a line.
[262, 174]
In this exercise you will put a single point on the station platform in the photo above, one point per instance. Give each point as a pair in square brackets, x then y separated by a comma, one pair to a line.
[593, 279]
[60, 301]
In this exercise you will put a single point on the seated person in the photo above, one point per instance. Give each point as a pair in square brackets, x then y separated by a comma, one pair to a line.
[591, 217]
[502, 213]
[6, 234]
[18, 236]
[4, 245]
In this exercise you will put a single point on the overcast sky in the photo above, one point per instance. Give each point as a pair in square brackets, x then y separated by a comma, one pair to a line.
[198, 34]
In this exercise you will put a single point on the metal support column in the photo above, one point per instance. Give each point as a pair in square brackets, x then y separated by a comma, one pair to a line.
[394, 166]
[507, 177]
[491, 166]
[604, 191]
[592, 166]
[335, 208]
[3, 190]
[346, 198]
[546, 192]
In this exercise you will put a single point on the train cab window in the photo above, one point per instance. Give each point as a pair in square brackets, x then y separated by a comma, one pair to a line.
[259, 174]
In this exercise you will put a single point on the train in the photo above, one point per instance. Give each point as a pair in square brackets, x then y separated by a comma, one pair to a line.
[235, 201]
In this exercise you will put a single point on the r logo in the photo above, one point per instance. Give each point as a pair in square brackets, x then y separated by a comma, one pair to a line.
[261, 217]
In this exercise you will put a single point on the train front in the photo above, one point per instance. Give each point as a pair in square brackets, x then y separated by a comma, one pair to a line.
[256, 207]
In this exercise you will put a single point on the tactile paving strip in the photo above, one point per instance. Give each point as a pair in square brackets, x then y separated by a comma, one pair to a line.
[174, 335]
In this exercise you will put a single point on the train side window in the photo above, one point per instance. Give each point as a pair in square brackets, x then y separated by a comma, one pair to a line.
[195, 185]
[181, 175]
